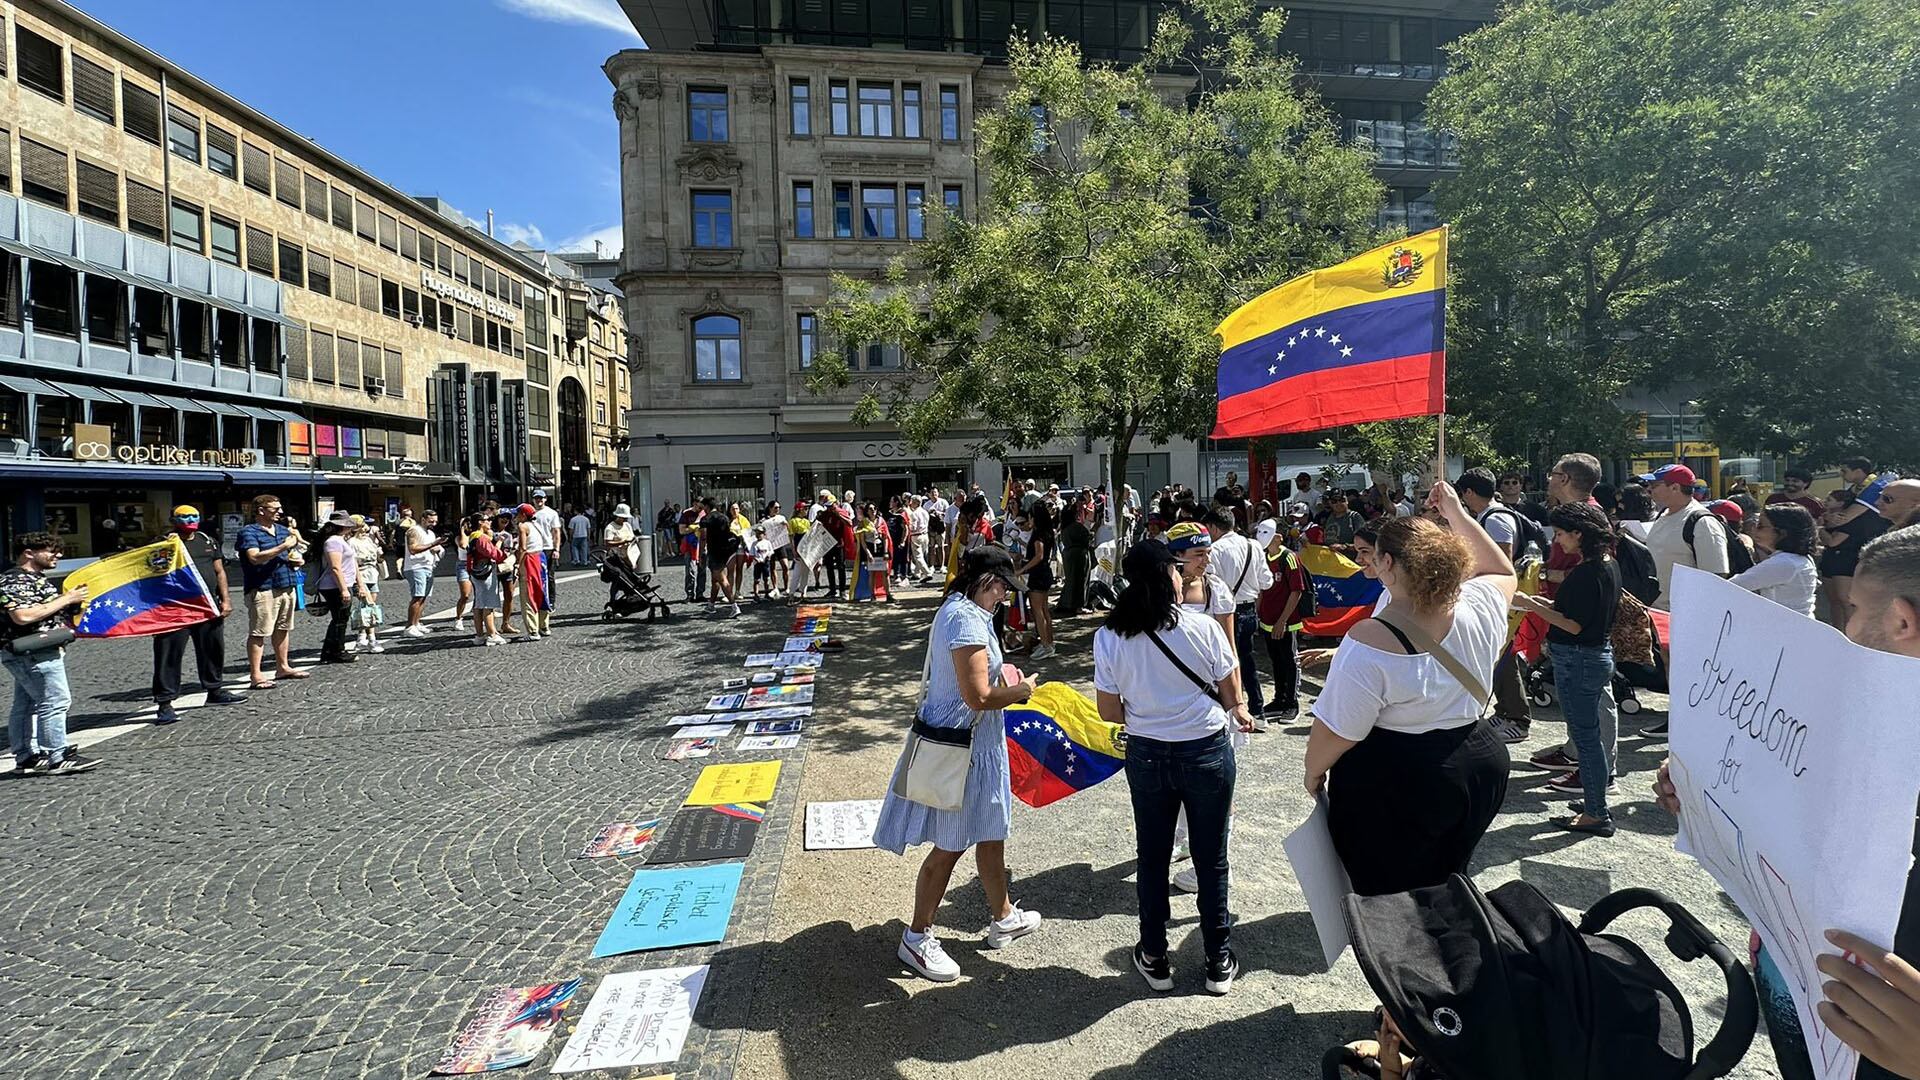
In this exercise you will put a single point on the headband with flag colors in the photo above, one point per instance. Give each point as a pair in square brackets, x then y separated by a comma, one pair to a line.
[149, 590]
[1360, 341]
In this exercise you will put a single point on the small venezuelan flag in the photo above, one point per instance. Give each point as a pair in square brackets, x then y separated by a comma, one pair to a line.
[1057, 745]
[149, 590]
[1344, 592]
[1361, 341]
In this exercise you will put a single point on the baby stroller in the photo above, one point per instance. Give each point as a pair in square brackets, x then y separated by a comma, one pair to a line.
[1502, 987]
[630, 592]
[1627, 678]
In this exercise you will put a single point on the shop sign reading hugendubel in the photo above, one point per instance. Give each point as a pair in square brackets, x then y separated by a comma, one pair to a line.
[453, 290]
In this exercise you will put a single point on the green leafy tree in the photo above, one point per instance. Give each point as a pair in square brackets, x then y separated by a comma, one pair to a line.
[1685, 191]
[1402, 448]
[1126, 210]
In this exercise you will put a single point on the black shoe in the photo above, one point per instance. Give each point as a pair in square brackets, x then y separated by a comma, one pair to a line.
[1158, 974]
[35, 765]
[225, 697]
[73, 762]
[1282, 714]
[1659, 729]
[167, 714]
[341, 659]
[1596, 828]
[1221, 971]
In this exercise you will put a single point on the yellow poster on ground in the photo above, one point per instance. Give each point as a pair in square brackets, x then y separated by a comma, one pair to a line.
[748, 782]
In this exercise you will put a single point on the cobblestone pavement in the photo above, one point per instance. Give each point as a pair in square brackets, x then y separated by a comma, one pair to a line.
[319, 882]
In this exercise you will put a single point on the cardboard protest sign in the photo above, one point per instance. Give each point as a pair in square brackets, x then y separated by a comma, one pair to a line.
[709, 728]
[813, 547]
[724, 702]
[635, 1018]
[775, 727]
[769, 742]
[743, 783]
[620, 838]
[841, 826]
[703, 833]
[1797, 789]
[665, 908]
[804, 643]
[800, 660]
[774, 697]
[509, 1028]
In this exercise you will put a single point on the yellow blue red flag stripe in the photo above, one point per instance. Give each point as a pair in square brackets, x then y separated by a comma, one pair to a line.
[1057, 745]
[1344, 592]
[1360, 341]
[149, 590]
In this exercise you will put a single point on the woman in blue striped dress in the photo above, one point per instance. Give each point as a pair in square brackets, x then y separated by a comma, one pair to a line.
[960, 691]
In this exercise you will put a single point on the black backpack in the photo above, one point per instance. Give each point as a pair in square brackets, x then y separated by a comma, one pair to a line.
[1638, 575]
[1525, 531]
[1738, 557]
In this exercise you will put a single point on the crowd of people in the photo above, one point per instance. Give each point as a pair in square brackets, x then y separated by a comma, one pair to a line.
[1409, 735]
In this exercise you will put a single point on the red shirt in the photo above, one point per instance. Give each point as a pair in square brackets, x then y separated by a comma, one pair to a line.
[1561, 560]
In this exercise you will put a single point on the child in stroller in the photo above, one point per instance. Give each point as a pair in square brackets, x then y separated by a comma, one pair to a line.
[1500, 986]
[628, 590]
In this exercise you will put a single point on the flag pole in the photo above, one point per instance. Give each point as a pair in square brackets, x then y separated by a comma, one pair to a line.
[1440, 428]
[1440, 449]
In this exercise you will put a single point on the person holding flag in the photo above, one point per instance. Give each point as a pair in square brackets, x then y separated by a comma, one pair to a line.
[208, 637]
[32, 649]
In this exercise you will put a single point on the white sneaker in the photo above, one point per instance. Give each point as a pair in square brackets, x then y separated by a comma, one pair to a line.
[736, 609]
[415, 631]
[1187, 881]
[376, 647]
[1018, 923]
[352, 646]
[928, 958]
[496, 639]
[460, 626]
[1259, 723]
[1042, 652]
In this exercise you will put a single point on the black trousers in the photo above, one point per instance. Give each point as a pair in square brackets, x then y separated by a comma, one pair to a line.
[334, 645]
[1407, 810]
[170, 651]
[836, 567]
[1283, 651]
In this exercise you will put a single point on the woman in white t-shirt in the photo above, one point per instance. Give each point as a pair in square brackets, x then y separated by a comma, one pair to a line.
[1413, 774]
[1170, 677]
[781, 538]
[1788, 576]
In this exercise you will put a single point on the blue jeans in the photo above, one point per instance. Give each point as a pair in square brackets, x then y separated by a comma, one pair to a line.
[1583, 676]
[580, 551]
[41, 698]
[420, 583]
[1246, 620]
[1163, 777]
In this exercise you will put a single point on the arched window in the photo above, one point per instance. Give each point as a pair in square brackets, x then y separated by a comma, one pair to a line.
[716, 349]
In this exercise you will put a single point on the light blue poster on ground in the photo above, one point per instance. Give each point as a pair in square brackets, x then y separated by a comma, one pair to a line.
[670, 907]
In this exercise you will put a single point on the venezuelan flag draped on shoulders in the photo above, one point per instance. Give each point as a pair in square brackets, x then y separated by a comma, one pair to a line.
[1360, 341]
[1057, 745]
[149, 590]
[1344, 593]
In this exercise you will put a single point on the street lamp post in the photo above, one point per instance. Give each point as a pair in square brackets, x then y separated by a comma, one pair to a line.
[775, 413]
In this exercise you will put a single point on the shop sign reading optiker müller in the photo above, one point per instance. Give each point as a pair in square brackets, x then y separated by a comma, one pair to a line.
[453, 290]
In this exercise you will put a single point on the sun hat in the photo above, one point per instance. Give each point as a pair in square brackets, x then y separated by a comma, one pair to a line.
[623, 511]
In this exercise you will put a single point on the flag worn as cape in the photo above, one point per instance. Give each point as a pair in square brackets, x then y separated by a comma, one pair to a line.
[1345, 593]
[1057, 745]
[149, 590]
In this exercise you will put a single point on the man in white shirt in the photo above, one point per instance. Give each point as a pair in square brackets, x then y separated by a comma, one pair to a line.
[1479, 493]
[423, 554]
[546, 530]
[580, 530]
[936, 507]
[917, 521]
[1234, 559]
[781, 538]
[1671, 488]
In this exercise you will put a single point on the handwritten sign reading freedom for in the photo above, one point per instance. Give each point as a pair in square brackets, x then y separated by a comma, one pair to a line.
[1797, 773]
[665, 908]
[635, 1018]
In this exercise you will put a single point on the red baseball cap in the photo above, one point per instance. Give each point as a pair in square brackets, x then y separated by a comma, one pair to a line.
[1670, 474]
[1728, 510]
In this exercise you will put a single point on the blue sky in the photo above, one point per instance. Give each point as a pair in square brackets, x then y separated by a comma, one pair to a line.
[489, 104]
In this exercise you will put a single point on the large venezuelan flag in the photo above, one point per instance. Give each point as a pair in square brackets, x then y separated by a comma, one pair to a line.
[1345, 593]
[1360, 341]
[1057, 745]
[149, 590]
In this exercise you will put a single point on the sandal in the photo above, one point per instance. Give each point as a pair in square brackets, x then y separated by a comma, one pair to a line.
[296, 673]
[268, 685]
[1591, 828]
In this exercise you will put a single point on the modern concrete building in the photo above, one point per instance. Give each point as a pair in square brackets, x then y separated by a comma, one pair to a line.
[764, 147]
[196, 302]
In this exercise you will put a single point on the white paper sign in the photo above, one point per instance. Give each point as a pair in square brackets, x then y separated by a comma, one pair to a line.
[1794, 758]
[1323, 879]
[841, 826]
[635, 1018]
[769, 742]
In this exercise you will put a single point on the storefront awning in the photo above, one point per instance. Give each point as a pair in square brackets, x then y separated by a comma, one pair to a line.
[22, 385]
[275, 477]
[145, 401]
[57, 475]
[85, 392]
[183, 405]
[284, 416]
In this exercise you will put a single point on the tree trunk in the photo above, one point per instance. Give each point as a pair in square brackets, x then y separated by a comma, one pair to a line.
[1118, 451]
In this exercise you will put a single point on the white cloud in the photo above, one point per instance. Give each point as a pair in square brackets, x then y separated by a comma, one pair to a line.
[511, 233]
[611, 239]
[605, 14]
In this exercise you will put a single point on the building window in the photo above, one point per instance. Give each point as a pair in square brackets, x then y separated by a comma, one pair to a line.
[43, 173]
[260, 251]
[140, 112]
[809, 336]
[713, 219]
[843, 210]
[229, 346]
[950, 198]
[146, 211]
[873, 357]
[876, 109]
[409, 243]
[879, 211]
[837, 105]
[186, 226]
[293, 268]
[319, 273]
[221, 150]
[800, 106]
[706, 115]
[152, 319]
[224, 236]
[390, 233]
[950, 113]
[389, 299]
[97, 191]
[365, 221]
[106, 310]
[42, 65]
[93, 89]
[910, 111]
[916, 211]
[183, 133]
[287, 182]
[342, 210]
[716, 349]
[50, 297]
[317, 198]
[256, 168]
[803, 208]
